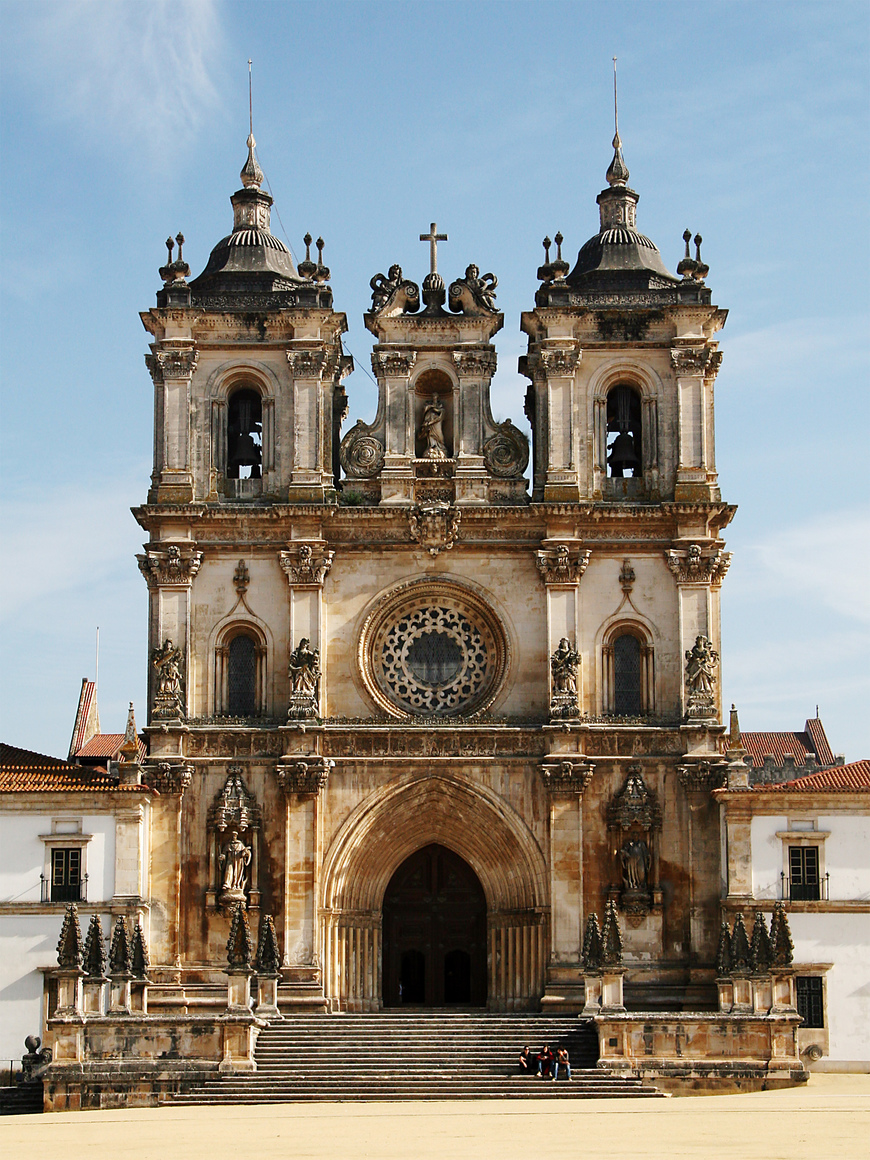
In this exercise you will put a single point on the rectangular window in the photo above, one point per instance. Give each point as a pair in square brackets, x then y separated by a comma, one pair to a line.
[809, 1000]
[66, 875]
[803, 867]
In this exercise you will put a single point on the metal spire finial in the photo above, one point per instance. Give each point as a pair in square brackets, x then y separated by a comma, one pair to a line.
[617, 174]
[252, 174]
[251, 98]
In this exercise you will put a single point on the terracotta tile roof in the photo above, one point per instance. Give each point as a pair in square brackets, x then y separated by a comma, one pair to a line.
[840, 779]
[107, 745]
[22, 770]
[816, 731]
[811, 741]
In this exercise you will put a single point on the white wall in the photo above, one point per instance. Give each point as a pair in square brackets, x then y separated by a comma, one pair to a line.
[22, 853]
[844, 940]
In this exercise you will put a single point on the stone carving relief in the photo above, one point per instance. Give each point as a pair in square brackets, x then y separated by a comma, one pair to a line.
[692, 360]
[560, 362]
[241, 578]
[361, 455]
[392, 294]
[695, 565]
[506, 453]
[234, 825]
[172, 364]
[305, 674]
[562, 564]
[621, 326]
[626, 577]
[698, 776]
[307, 364]
[434, 526]
[393, 363]
[168, 777]
[564, 665]
[475, 363]
[304, 775]
[167, 662]
[634, 815]
[702, 662]
[306, 563]
[567, 775]
[432, 429]
[169, 566]
[473, 294]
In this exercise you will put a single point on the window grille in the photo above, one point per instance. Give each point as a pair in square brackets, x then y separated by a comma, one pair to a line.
[242, 677]
[810, 1002]
[626, 676]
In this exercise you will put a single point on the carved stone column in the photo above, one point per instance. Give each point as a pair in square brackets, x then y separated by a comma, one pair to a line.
[312, 370]
[695, 370]
[170, 779]
[553, 372]
[172, 363]
[169, 570]
[393, 371]
[561, 564]
[698, 569]
[475, 369]
[306, 564]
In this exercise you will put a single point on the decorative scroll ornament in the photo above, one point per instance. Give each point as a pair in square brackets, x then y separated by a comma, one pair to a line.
[168, 662]
[306, 364]
[304, 672]
[234, 808]
[70, 951]
[634, 805]
[304, 775]
[506, 453]
[473, 294]
[475, 363]
[169, 566]
[240, 948]
[434, 526]
[392, 294]
[168, 777]
[172, 364]
[566, 775]
[562, 564]
[695, 565]
[698, 776]
[691, 360]
[702, 661]
[306, 564]
[361, 455]
[564, 663]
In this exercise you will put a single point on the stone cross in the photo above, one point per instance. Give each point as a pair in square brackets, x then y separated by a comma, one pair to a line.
[433, 238]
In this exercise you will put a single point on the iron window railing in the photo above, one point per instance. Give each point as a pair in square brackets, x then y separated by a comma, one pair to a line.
[63, 891]
[798, 889]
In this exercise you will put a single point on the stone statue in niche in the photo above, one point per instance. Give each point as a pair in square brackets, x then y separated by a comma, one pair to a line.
[634, 856]
[167, 661]
[432, 429]
[702, 660]
[235, 859]
[304, 671]
[564, 664]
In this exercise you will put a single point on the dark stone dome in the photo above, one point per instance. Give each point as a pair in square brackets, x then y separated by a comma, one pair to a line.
[620, 249]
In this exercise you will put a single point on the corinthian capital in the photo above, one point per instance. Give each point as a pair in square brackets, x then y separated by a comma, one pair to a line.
[306, 563]
[695, 565]
[475, 363]
[393, 363]
[172, 363]
[562, 564]
[306, 364]
[692, 360]
[560, 362]
[169, 566]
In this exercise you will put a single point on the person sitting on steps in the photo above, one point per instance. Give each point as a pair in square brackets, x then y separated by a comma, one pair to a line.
[562, 1060]
[545, 1061]
[526, 1061]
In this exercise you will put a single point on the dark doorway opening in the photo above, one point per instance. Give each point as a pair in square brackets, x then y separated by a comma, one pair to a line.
[434, 933]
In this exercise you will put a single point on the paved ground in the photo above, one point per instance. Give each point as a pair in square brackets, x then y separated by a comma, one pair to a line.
[829, 1119]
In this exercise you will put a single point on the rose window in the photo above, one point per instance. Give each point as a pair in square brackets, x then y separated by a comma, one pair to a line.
[433, 650]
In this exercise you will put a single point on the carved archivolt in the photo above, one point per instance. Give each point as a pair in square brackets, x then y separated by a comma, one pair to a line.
[433, 649]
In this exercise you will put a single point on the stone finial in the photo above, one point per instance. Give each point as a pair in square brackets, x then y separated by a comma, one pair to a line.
[120, 952]
[617, 171]
[611, 936]
[306, 267]
[240, 949]
[560, 266]
[545, 272]
[593, 946]
[69, 948]
[741, 955]
[94, 961]
[267, 960]
[759, 947]
[175, 271]
[781, 945]
[723, 952]
[701, 271]
[321, 274]
[139, 953]
[251, 174]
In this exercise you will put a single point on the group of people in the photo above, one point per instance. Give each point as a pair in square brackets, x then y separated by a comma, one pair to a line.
[546, 1064]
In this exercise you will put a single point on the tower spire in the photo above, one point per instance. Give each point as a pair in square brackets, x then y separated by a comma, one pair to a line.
[617, 174]
[252, 174]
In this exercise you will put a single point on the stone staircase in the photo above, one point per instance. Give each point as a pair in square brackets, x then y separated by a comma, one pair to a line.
[413, 1056]
[23, 1099]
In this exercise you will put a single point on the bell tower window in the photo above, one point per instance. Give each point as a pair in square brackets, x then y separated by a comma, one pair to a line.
[245, 435]
[624, 433]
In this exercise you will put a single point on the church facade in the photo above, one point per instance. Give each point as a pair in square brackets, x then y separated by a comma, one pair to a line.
[429, 696]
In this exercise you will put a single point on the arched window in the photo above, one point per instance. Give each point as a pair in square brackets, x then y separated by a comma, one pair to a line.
[628, 672]
[626, 676]
[242, 677]
[624, 436]
[244, 435]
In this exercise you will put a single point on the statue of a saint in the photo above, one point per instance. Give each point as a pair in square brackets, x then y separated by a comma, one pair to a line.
[304, 668]
[235, 859]
[564, 664]
[432, 429]
[167, 663]
[634, 856]
[701, 662]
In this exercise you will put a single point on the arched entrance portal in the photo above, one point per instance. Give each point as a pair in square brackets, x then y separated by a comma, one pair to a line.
[434, 931]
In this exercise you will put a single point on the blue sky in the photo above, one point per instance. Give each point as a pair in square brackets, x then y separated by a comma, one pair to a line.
[124, 122]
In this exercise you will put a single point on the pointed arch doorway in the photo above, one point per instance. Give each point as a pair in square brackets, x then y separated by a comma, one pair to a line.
[434, 932]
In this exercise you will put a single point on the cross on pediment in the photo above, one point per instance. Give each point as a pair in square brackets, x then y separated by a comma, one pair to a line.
[433, 238]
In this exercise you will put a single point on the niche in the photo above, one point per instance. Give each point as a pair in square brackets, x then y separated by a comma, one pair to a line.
[244, 435]
[433, 416]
